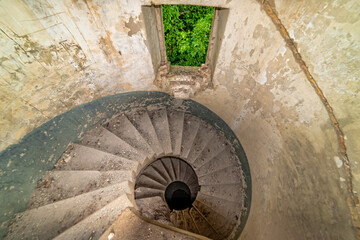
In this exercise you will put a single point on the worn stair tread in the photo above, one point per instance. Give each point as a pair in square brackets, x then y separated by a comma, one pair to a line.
[190, 223]
[168, 167]
[204, 135]
[175, 167]
[96, 224]
[228, 175]
[220, 198]
[178, 219]
[142, 122]
[48, 221]
[104, 140]
[161, 169]
[191, 126]
[190, 179]
[219, 222]
[181, 166]
[230, 192]
[185, 169]
[58, 185]
[176, 124]
[217, 144]
[143, 192]
[194, 186]
[229, 209]
[151, 172]
[203, 225]
[124, 129]
[222, 160]
[154, 208]
[130, 225]
[160, 122]
[79, 157]
[145, 181]
[183, 219]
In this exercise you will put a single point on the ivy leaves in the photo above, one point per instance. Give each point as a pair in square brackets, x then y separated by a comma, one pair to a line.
[187, 30]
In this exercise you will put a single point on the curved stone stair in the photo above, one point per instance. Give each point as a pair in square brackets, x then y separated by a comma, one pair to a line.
[130, 162]
[133, 226]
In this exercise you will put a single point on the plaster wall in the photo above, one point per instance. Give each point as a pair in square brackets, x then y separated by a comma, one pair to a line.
[55, 55]
[285, 131]
[328, 37]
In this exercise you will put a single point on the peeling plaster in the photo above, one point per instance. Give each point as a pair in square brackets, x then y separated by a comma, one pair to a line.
[55, 55]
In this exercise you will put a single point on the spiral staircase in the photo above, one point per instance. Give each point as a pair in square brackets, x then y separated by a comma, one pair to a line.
[167, 165]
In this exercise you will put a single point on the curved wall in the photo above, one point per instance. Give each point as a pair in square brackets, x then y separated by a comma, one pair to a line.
[55, 55]
[329, 41]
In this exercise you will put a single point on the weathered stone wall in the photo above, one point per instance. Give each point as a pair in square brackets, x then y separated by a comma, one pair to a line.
[58, 54]
[328, 37]
[284, 129]
[55, 55]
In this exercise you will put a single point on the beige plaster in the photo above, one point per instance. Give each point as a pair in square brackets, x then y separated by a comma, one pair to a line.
[55, 55]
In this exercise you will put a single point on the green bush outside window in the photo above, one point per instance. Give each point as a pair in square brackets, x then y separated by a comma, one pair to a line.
[187, 31]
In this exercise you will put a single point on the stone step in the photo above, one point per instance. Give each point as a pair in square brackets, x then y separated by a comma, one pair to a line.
[48, 221]
[79, 157]
[167, 163]
[214, 148]
[203, 225]
[96, 224]
[227, 175]
[150, 172]
[102, 139]
[154, 208]
[142, 122]
[175, 168]
[131, 226]
[59, 185]
[189, 222]
[176, 164]
[227, 191]
[160, 168]
[185, 169]
[160, 122]
[177, 218]
[176, 124]
[190, 129]
[222, 225]
[229, 209]
[144, 192]
[204, 135]
[124, 129]
[145, 181]
[222, 160]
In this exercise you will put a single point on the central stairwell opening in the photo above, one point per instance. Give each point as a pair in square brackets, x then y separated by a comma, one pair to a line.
[175, 177]
[178, 196]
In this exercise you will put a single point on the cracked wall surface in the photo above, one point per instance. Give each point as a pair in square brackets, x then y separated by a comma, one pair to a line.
[55, 55]
[328, 40]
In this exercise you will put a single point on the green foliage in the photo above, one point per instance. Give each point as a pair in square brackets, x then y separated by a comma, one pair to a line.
[187, 31]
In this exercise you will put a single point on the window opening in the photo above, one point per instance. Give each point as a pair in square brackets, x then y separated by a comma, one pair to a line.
[184, 42]
[187, 31]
